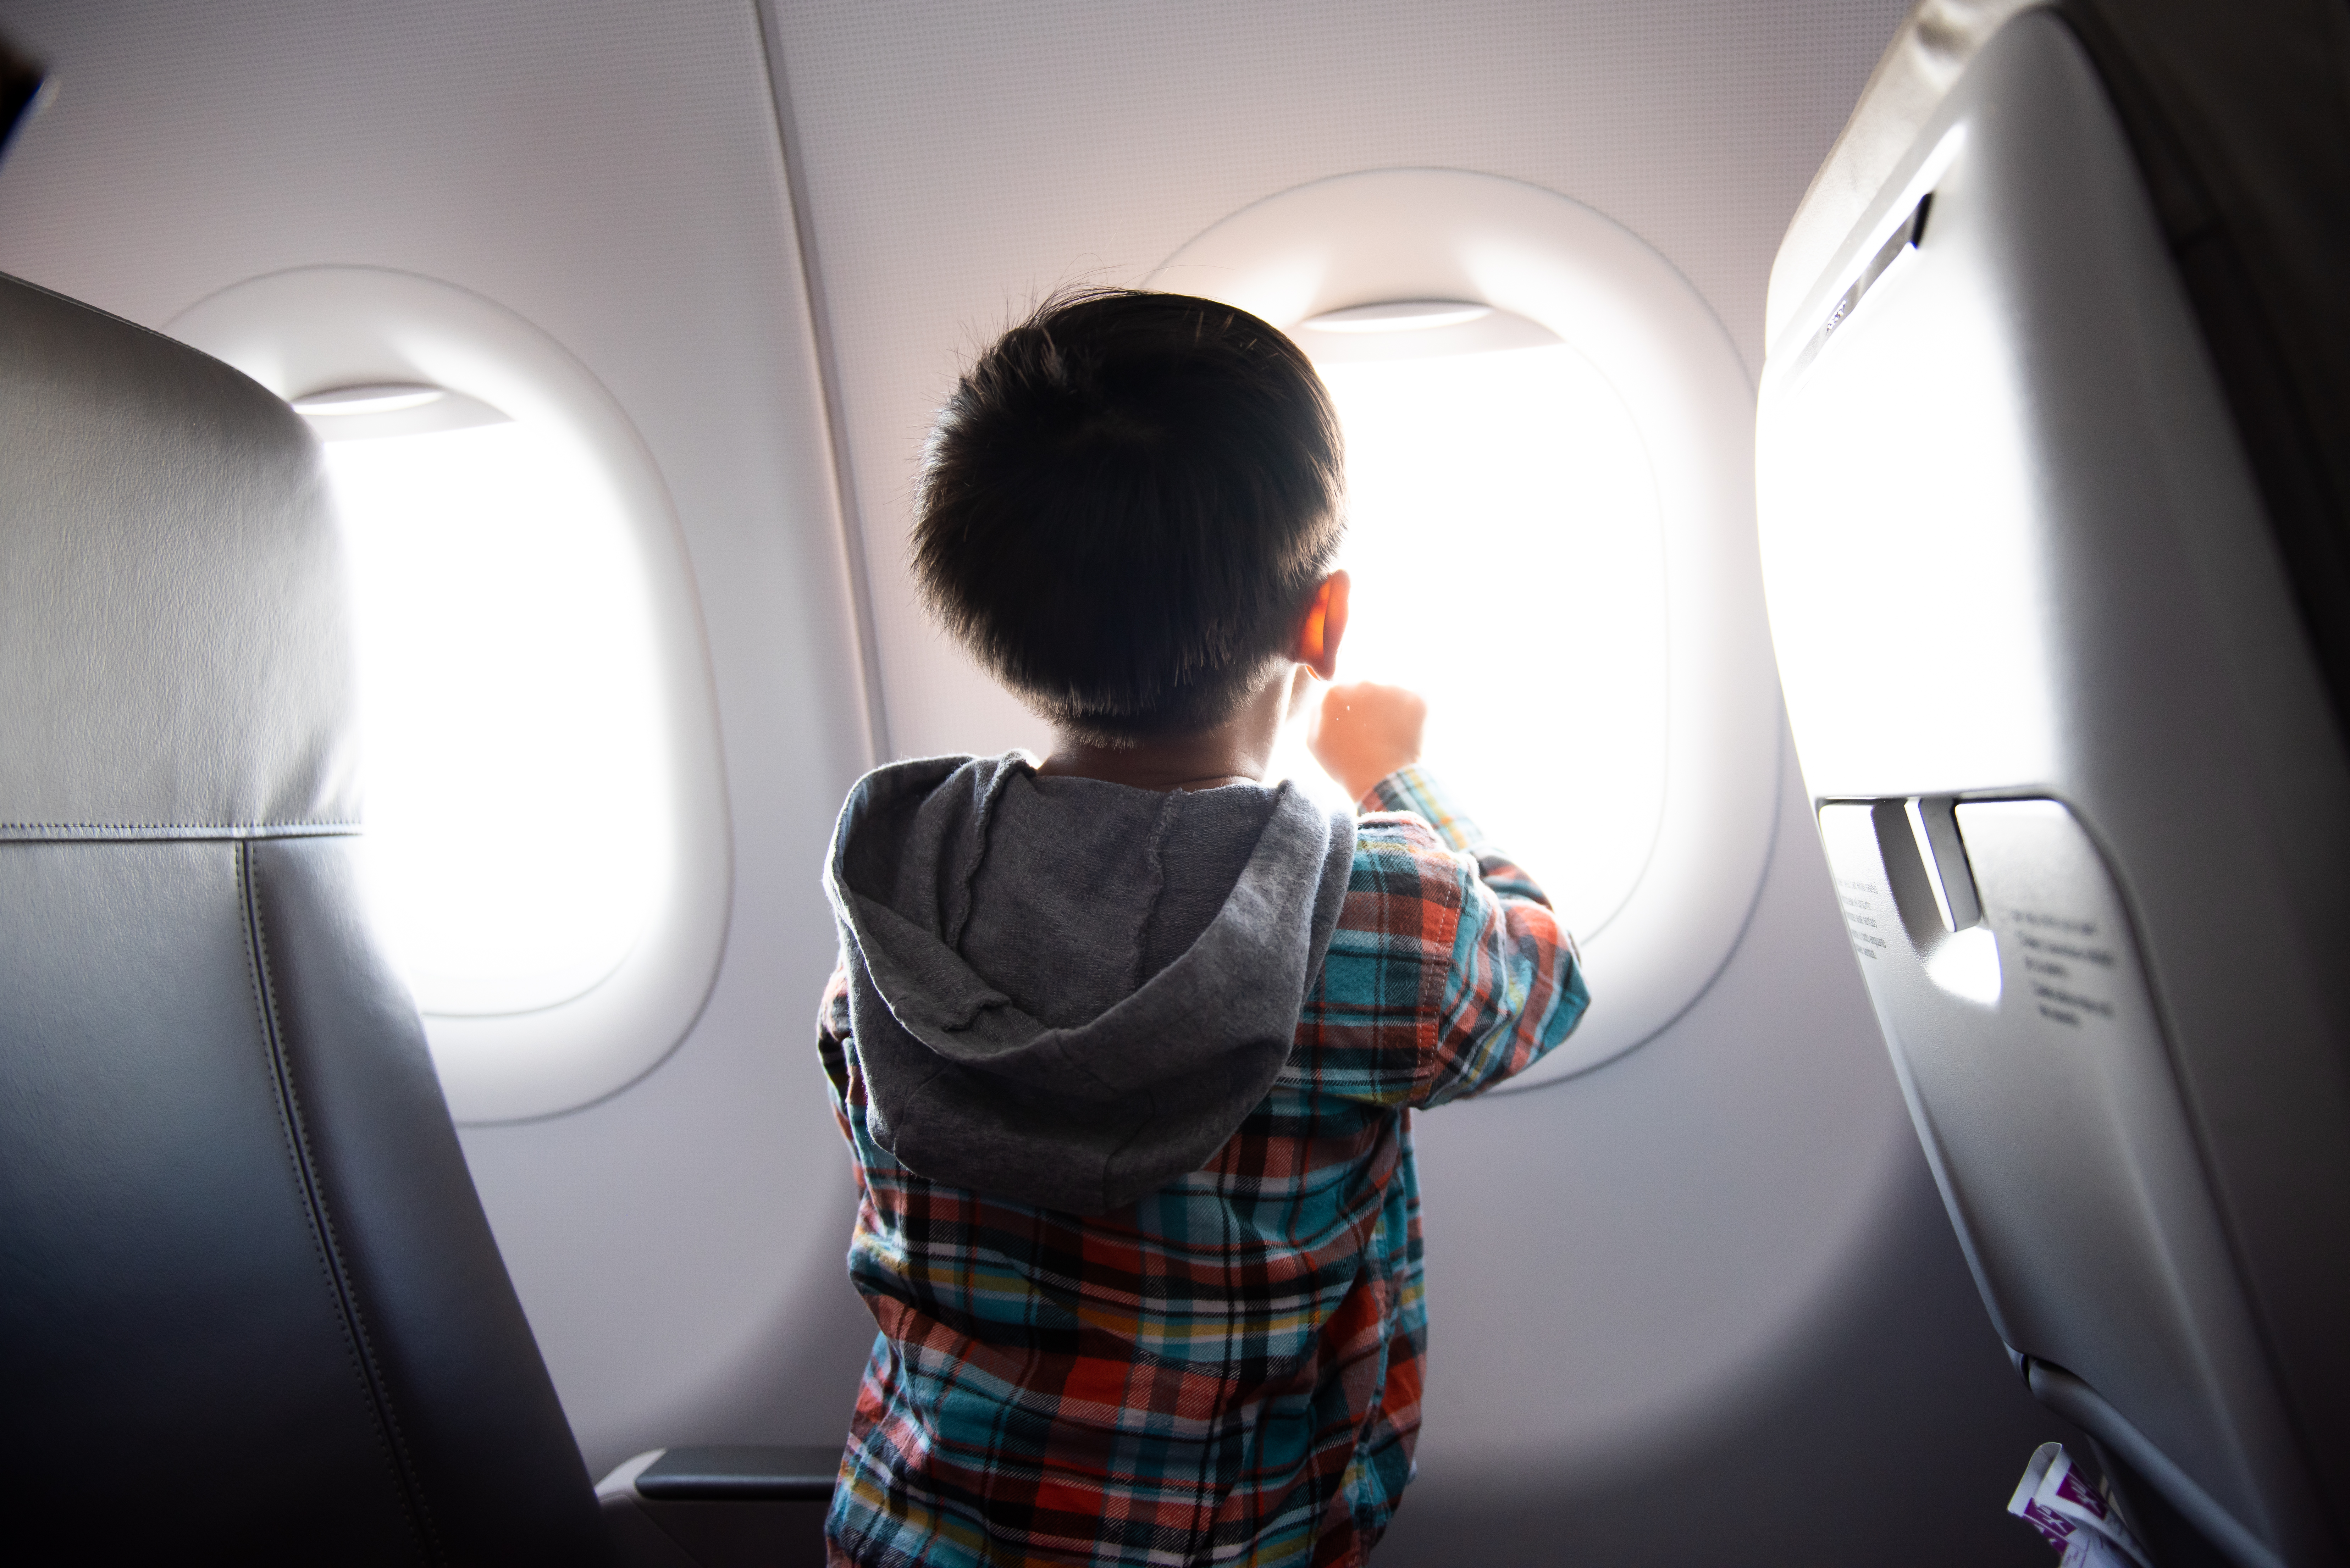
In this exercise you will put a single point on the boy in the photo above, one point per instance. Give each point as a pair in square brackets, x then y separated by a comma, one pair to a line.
[1123, 1042]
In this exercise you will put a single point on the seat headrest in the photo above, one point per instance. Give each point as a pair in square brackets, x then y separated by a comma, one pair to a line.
[1917, 71]
[175, 655]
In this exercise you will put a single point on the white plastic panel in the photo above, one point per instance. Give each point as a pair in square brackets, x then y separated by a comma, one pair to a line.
[2051, 1117]
[2013, 549]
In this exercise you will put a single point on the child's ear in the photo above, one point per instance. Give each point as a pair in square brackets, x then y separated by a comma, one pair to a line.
[1324, 627]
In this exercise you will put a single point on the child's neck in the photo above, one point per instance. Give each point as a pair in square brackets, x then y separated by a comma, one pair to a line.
[1238, 749]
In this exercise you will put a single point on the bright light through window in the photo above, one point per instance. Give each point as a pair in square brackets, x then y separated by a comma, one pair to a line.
[514, 839]
[1507, 560]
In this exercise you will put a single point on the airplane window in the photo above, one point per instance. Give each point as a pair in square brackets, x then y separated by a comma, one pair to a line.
[1503, 537]
[1550, 475]
[509, 710]
[547, 844]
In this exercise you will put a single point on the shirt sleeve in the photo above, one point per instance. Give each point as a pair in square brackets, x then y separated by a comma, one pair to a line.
[1448, 971]
[832, 1050]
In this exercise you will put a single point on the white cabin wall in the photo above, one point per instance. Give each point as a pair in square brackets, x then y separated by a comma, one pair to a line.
[962, 161]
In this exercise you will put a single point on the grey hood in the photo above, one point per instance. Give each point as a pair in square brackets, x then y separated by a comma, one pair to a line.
[1070, 993]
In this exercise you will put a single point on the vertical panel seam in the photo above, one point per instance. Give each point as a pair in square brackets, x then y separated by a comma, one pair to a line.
[797, 198]
[364, 1365]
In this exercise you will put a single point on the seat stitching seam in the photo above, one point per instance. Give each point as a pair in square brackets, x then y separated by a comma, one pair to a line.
[265, 826]
[291, 1122]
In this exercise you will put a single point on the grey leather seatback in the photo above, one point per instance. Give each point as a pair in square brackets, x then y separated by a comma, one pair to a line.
[250, 1309]
[2053, 459]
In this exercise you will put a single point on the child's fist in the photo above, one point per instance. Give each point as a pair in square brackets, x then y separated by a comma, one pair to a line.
[1363, 732]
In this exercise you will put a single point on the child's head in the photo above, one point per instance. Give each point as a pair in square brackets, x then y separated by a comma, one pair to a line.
[1126, 508]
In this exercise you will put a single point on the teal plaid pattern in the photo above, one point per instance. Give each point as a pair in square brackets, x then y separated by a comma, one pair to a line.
[1229, 1371]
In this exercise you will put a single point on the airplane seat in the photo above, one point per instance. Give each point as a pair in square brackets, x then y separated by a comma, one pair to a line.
[249, 1307]
[2053, 468]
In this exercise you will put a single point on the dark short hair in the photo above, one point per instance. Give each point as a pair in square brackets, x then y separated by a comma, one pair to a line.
[1126, 506]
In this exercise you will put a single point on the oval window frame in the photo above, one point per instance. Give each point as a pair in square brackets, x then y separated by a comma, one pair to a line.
[299, 331]
[1439, 233]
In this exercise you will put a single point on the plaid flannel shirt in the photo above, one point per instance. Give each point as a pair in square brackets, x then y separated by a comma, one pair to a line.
[1229, 1371]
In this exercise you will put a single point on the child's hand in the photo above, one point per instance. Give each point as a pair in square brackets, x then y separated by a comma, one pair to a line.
[1363, 732]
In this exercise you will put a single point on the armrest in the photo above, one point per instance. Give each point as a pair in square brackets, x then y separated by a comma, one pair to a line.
[717, 1507]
